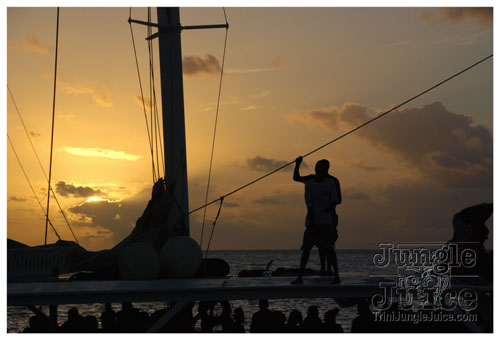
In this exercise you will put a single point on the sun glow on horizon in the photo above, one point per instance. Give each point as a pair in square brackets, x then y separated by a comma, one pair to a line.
[95, 199]
[98, 152]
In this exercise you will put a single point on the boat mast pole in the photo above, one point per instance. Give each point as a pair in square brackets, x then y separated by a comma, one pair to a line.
[172, 97]
[52, 133]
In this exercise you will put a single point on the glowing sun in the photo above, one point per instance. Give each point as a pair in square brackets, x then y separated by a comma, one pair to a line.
[94, 199]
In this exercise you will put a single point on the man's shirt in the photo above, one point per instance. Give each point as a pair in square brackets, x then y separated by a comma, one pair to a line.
[319, 197]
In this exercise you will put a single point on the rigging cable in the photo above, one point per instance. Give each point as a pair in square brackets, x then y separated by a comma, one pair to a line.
[40, 163]
[213, 140]
[32, 189]
[151, 120]
[347, 133]
[142, 93]
[154, 105]
[53, 120]
[213, 225]
[159, 130]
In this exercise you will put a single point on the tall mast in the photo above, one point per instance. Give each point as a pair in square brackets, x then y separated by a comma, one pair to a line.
[172, 97]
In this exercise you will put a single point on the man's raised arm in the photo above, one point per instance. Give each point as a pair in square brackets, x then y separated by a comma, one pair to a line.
[296, 173]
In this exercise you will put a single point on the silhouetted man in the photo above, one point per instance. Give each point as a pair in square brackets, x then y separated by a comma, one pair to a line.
[470, 233]
[294, 322]
[262, 319]
[312, 323]
[75, 322]
[365, 321]
[322, 194]
[239, 319]
[331, 325]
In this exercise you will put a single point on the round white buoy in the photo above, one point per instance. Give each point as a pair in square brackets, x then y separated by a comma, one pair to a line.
[139, 261]
[180, 257]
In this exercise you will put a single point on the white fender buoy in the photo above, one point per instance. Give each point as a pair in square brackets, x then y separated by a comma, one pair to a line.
[181, 257]
[139, 261]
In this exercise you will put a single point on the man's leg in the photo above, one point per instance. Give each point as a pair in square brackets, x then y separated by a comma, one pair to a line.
[322, 259]
[303, 261]
[333, 256]
[329, 261]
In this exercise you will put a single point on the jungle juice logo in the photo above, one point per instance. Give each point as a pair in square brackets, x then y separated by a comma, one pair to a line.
[423, 280]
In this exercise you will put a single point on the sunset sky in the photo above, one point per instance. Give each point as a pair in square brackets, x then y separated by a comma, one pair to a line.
[294, 79]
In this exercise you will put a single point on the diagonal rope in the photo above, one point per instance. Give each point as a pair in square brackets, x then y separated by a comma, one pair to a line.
[213, 226]
[346, 134]
[213, 139]
[31, 186]
[26, 131]
[142, 92]
[40, 163]
[53, 121]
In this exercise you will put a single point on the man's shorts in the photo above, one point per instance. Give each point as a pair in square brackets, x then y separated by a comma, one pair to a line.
[322, 236]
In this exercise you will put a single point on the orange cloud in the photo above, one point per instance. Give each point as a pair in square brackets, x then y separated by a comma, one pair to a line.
[276, 65]
[278, 62]
[363, 165]
[146, 103]
[98, 152]
[66, 116]
[30, 44]
[249, 107]
[102, 98]
[75, 88]
[454, 15]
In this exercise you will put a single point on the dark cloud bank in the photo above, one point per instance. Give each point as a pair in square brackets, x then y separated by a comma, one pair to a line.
[193, 65]
[263, 164]
[119, 217]
[443, 145]
[66, 189]
[453, 155]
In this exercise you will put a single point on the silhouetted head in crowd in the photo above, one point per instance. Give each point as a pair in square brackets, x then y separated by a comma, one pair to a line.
[91, 324]
[331, 315]
[313, 312]
[34, 322]
[127, 305]
[239, 316]
[295, 317]
[363, 307]
[38, 323]
[108, 319]
[263, 304]
[278, 320]
[72, 313]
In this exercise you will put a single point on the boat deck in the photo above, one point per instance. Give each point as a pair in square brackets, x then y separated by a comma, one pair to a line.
[82, 292]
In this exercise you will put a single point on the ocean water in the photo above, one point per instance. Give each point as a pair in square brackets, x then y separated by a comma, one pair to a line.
[351, 262]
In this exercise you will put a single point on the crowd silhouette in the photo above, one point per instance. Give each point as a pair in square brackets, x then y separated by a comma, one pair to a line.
[219, 317]
[212, 316]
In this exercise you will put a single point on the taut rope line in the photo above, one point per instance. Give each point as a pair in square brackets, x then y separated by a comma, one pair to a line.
[213, 140]
[52, 133]
[345, 134]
